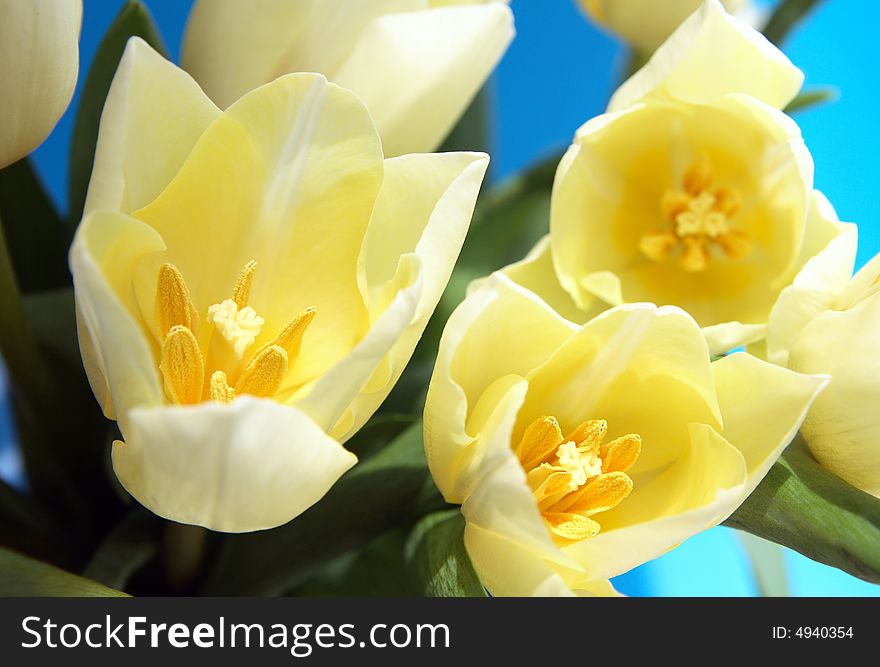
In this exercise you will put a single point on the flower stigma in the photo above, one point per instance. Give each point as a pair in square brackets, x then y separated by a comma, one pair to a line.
[697, 219]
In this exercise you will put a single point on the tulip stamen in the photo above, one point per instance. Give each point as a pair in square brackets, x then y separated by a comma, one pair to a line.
[182, 363]
[698, 219]
[182, 366]
[577, 476]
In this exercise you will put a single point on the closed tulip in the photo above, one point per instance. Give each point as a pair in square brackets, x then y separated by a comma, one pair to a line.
[415, 63]
[39, 61]
[250, 284]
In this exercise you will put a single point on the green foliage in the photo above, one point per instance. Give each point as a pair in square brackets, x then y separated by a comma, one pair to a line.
[438, 560]
[785, 17]
[21, 576]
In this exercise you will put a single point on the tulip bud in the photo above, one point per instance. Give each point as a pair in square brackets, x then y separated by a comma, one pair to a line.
[39, 60]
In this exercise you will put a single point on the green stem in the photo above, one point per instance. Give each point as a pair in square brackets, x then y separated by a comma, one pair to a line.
[183, 555]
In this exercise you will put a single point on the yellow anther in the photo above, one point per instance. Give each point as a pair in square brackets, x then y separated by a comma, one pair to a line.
[620, 454]
[173, 304]
[242, 290]
[219, 389]
[699, 176]
[736, 245]
[576, 476]
[658, 245]
[674, 202]
[540, 440]
[264, 374]
[291, 336]
[182, 366]
[571, 527]
[727, 201]
[589, 435]
[600, 494]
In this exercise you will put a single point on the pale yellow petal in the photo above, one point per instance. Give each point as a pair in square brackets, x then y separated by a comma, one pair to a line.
[701, 488]
[286, 177]
[153, 116]
[843, 428]
[417, 71]
[726, 336]
[423, 210]
[116, 353]
[250, 465]
[821, 283]
[232, 47]
[499, 331]
[761, 429]
[39, 62]
[710, 55]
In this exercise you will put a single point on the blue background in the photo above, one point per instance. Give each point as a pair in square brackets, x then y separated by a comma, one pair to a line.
[559, 72]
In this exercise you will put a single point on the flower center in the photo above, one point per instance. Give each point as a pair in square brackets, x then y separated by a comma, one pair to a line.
[575, 477]
[183, 364]
[697, 219]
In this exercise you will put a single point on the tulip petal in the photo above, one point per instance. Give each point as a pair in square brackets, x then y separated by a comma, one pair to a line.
[724, 337]
[287, 177]
[423, 211]
[250, 465]
[39, 62]
[536, 273]
[842, 427]
[432, 63]
[153, 116]
[232, 47]
[702, 488]
[116, 355]
[710, 55]
[643, 369]
[500, 331]
[816, 289]
[762, 429]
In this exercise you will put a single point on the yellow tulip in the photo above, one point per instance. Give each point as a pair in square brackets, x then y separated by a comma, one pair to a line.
[580, 452]
[39, 61]
[692, 190]
[251, 283]
[647, 23]
[415, 63]
[828, 321]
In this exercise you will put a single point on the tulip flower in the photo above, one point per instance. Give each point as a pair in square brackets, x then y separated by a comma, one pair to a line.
[828, 321]
[39, 61]
[693, 189]
[645, 24]
[578, 452]
[250, 284]
[415, 63]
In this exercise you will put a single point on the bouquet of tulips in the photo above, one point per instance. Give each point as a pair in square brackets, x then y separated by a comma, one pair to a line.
[290, 339]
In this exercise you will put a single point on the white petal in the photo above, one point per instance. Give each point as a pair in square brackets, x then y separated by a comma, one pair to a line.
[39, 62]
[418, 71]
[250, 465]
[726, 336]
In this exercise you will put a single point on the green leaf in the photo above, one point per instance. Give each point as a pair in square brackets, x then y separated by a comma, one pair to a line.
[125, 550]
[802, 506]
[133, 21]
[21, 576]
[27, 527]
[438, 560]
[36, 236]
[52, 319]
[812, 97]
[377, 570]
[785, 17]
[389, 489]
